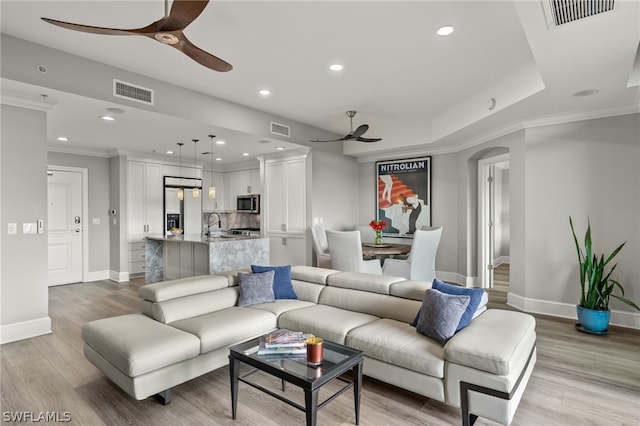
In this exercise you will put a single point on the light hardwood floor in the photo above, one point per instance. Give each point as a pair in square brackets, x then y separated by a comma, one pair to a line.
[578, 379]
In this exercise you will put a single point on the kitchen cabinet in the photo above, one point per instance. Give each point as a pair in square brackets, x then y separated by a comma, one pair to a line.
[285, 203]
[144, 209]
[218, 204]
[240, 182]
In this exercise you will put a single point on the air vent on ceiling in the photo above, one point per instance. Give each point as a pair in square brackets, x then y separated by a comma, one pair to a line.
[559, 12]
[280, 129]
[126, 90]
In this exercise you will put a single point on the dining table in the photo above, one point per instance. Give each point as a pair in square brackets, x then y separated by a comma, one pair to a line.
[381, 251]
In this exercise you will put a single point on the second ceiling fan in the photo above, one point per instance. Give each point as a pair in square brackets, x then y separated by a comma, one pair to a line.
[167, 30]
[353, 135]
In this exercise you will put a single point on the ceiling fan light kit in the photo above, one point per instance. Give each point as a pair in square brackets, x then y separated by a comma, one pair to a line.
[353, 135]
[167, 30]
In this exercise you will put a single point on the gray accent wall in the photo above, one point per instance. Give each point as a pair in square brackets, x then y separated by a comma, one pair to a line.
[99, 194]
[23, 289]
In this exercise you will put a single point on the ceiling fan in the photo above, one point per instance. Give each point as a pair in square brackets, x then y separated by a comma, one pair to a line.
[168, 30]
[353, 135]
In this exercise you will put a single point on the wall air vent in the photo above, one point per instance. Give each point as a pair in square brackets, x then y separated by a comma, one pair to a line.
[280, 129]
[559, 12]
[130, 91]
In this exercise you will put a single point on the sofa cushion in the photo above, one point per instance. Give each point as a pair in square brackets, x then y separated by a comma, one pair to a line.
[283, 305]
[232, 276]
[311, 274]
[397, 343]
[282, 287]
[440, 314]
[497, 342]
[363, 281]
[227, 327]
[410, 289]
[327, 322]
[475, 295]
[190, 306]
[256, 288]
[136, 344]
[172, 289]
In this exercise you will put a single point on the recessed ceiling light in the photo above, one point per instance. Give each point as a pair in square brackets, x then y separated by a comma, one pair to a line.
[107, 117]
[218, 158]
[264, 92]
[220, 142]
[245, 154]
[336, 67]
[587, 92]
[279, 148]
[63, 139]
[445, 31]
[169, 152]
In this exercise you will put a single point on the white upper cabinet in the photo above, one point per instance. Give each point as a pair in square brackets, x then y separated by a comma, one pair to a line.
[144, 198]
[285, 191]
[240, 182]
[217, 204]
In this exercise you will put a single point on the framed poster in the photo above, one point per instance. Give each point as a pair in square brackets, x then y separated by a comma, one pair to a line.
[403, 189]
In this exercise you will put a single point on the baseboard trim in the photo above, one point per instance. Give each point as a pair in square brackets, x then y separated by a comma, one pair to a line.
[25, 330]
[97, 276]
[568, 310]
[119, 277]
[452, 277]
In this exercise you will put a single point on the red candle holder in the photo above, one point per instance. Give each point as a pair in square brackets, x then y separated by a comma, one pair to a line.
[314, 350]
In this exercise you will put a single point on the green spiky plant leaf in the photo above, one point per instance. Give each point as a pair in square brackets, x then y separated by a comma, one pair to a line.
[596, 284]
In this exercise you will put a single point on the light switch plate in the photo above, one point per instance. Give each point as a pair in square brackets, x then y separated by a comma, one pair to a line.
[96, 221]
[12, 228]
[29, 228]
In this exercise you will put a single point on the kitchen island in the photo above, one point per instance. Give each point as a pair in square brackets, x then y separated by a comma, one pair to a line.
[172, 257]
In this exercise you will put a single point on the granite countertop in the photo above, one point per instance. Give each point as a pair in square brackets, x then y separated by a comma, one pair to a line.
[197, 238]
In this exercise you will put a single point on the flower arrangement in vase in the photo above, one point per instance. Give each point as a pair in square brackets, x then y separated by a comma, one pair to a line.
[378, 226]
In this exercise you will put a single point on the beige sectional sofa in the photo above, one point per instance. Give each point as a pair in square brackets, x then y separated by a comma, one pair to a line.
[187, 325]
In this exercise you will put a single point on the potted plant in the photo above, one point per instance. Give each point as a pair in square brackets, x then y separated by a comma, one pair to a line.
[596, 285]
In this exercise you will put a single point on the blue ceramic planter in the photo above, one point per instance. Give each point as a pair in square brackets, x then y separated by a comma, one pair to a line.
[593, 320]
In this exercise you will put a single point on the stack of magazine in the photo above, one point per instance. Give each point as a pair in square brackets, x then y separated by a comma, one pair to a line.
[282, 342]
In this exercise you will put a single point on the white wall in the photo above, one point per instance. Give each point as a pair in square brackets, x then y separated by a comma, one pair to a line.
[588, 169]
[24, 291]
[335, 190]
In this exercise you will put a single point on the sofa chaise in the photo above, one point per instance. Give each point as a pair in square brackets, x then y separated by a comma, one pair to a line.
[186, 326]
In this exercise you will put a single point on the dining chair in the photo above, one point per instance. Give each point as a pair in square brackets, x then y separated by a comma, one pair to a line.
[421, 263]
[367, 234]
[346, 253]
[321, 247]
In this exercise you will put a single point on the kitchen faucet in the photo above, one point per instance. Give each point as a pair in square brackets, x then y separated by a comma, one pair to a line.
[209, 224]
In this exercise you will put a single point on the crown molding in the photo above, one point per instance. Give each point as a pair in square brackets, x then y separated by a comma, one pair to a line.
[503, 131]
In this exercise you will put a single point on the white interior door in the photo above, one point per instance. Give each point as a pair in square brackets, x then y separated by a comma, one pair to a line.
[65, 227]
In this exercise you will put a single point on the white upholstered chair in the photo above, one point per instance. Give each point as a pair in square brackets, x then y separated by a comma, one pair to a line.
[346, 253]
[421, 263]
[367, 234]
[321, 247]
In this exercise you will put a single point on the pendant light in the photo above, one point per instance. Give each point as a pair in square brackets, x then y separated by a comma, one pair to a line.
[181, 189]
[196, 190]
[212, 188]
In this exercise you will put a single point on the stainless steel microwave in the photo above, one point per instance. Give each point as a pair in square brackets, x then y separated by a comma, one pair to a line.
[248, 203]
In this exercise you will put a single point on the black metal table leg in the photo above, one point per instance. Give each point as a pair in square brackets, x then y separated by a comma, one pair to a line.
[311, 406]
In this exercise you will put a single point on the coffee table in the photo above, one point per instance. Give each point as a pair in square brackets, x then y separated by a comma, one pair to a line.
[338, 359]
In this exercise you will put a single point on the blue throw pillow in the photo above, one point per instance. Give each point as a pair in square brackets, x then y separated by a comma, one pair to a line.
[475, 295]
[282, 286]
[441, 314]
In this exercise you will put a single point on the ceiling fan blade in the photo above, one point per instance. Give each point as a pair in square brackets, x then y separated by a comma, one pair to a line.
[360, 139]
[200, 56]
[360, 131]
[183, 12]
[101, 30]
